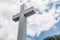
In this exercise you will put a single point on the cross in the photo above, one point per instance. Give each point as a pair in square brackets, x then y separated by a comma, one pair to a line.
[22, 18]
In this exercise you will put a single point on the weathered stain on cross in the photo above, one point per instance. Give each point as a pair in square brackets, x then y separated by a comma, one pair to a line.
[22, 18]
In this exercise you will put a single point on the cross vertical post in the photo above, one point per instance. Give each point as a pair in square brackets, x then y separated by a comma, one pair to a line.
[22, 25]
[22, 18]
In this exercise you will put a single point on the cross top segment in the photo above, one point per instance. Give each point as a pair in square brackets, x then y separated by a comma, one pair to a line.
[26, 12]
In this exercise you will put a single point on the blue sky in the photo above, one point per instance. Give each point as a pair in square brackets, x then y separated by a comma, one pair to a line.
[55, 30]
[52, 32]
[45, 22]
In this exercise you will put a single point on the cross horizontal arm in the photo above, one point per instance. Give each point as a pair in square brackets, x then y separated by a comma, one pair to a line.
[16, 17]
[28, 12]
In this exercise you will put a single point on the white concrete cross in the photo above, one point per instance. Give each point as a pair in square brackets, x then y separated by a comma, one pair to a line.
[22, 18]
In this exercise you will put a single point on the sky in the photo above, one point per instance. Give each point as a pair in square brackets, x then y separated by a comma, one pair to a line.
[45, 22]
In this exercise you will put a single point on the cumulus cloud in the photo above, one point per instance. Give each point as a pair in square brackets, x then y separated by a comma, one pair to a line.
[7, 30]
[35, 24]
[43, 22]
[38, 23]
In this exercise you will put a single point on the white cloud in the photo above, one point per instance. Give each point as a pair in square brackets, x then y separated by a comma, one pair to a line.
[38, 23]
[9, 28]
[55, 28]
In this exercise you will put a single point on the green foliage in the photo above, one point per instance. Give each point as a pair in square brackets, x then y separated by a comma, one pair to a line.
[55, 37]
